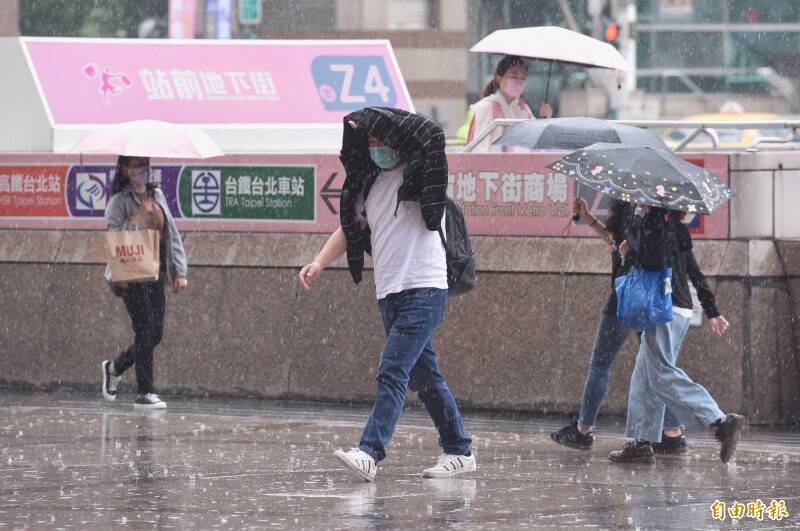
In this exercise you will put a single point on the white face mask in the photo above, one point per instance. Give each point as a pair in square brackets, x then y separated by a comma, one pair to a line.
[139, 175]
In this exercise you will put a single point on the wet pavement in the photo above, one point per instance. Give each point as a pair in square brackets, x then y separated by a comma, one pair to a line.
[72, 461]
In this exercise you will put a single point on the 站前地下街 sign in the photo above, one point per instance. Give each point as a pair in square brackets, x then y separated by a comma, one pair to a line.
[106, 81]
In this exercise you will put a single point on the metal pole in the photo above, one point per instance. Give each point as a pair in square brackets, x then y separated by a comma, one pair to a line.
[9, 19]
[726, 48]
[628, 49]
[569, 18]
[235, 27]
[593, 9]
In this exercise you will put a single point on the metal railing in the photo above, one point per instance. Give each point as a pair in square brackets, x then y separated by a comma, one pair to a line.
[697, 128]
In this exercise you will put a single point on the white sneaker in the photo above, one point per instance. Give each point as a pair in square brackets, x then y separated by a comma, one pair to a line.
[149, 401]
[450, 465]
[110, 382]
[359, 462]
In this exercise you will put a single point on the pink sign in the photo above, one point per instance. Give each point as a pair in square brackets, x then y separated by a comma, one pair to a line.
[501, 194]
[511, 194]
[101, 81]
[517, 195]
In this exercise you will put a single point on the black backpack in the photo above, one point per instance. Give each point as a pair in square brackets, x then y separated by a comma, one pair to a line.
[461, 275]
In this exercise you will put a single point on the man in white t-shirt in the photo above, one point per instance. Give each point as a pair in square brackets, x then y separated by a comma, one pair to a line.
[411, 286]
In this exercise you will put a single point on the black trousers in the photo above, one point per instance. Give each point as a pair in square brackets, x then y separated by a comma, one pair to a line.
[146, 304]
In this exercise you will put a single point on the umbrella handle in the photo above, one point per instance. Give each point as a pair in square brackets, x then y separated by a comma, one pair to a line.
[577, 217]
[547, 90]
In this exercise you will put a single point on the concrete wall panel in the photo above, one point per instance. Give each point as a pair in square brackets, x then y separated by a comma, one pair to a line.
[24, 328]
[716, 362]
[787, 214]
[338, 339]
[752, 205]
[522, 340]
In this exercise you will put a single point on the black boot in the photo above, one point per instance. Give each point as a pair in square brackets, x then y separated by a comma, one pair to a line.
[727, 434]
[571, 437]
[633, 453]
[671, 445]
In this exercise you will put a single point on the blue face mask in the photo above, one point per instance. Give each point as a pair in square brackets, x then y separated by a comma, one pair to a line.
[384, 157]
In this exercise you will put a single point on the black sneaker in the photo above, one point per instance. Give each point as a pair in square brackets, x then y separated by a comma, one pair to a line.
[110, 382]
[728, 433]
[149, 401]
[631, 453]
[570, 437]
[671, 445]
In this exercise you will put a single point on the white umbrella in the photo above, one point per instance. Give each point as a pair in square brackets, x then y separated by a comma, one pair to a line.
[551, 43]
[148, 138]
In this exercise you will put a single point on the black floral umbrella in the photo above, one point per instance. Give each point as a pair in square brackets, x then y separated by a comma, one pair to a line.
[645, 175]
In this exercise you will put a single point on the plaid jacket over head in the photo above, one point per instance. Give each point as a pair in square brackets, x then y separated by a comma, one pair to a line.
[420, 143]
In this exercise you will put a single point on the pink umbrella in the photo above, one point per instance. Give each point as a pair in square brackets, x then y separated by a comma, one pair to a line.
[551, 43]
[148, 138]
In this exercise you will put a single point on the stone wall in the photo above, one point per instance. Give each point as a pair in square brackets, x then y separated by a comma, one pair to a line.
[520, 341]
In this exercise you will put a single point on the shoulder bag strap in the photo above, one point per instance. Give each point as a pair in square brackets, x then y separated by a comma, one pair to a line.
[441, 237]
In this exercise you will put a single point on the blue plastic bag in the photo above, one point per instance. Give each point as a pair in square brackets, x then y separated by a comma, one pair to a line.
[644, 298]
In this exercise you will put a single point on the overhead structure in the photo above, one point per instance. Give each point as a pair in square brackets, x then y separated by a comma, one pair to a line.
[248, 96]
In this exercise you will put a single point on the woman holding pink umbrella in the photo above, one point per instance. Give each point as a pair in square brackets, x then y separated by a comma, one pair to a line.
[138, 204]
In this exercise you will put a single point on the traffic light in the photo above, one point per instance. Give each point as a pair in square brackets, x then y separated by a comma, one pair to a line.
[611, 32]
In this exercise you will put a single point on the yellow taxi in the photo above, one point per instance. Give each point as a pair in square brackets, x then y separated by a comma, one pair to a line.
[729, 139]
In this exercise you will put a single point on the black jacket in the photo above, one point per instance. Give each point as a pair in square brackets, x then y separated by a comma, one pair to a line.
[620, 231]
[419, 141]
[684, 269]
[664, 243]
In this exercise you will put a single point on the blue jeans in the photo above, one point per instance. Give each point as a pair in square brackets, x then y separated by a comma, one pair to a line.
[657, 383]
[408, 361]
[611, 335]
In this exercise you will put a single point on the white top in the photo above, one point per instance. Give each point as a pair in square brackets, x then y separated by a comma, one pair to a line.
[405, 254]
[484, 114]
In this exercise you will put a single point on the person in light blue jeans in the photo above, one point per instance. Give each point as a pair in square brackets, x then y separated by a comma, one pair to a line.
[610, 337]
[657, 383]
[675, 390]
